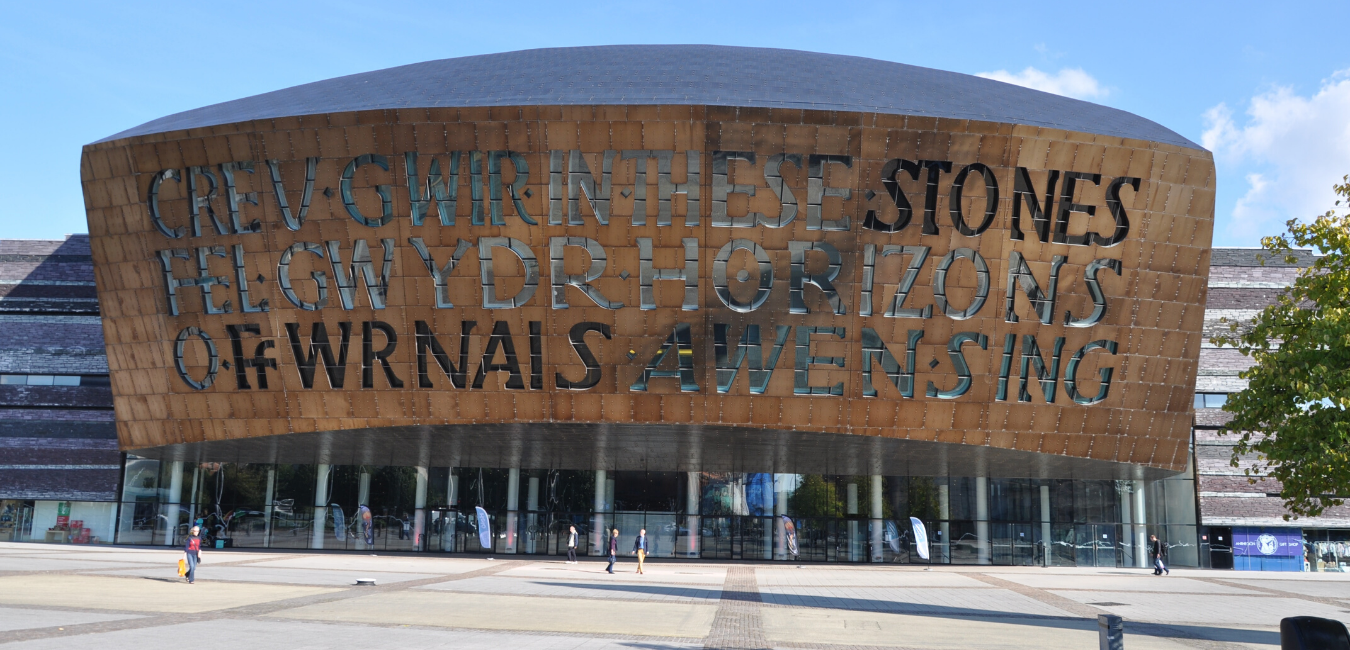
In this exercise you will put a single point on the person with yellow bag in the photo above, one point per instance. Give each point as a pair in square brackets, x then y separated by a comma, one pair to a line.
[192, 549]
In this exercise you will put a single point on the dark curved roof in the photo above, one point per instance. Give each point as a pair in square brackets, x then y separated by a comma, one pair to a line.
[677, 74]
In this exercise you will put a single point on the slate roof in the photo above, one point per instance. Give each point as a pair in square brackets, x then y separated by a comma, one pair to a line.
[711, 75]
[1259, 257]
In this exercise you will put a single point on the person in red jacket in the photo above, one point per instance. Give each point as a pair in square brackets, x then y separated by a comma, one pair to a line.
[193, 549]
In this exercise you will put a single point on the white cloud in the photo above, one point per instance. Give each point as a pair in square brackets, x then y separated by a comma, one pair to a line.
[1070, 82]
[1290, 150]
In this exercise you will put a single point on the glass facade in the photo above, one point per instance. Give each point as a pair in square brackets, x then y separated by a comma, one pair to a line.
[57, 522]
[707, 515]
[1327, 550]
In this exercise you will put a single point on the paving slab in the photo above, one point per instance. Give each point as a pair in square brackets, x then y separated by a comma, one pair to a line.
[796, 626]
[571, 588]
[517, 613]
[1321, 588]
[93, 552]
[156, 556]
[394, 564]
[270, 575]
[139, 594]
[1316, 576]
[870, 577]
[295, 635]
[16, 618]
[955, 602]
[1263, 610]
[13, 549]
[668, 573]
[1146, 582]
[32, 563]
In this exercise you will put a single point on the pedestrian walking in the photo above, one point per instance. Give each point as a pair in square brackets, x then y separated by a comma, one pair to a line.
[640, 548]
[613, 549]
[1158, 551]
[571, 544]
[193, 549]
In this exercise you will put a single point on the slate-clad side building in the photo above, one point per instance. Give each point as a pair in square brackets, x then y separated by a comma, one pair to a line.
[1242, 281]
[58, 443]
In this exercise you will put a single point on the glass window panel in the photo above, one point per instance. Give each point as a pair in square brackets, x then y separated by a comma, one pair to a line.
[1181, 545]
[40, 380]
[244, 485]
[963, 543]
[1015, 544]
[1178, 501]
[660, 491]
[1063, 545]
[1014, 500]
[438, 487]
[13, 379]
[66, 380]
[1199, 400]
[478, 486]
[294, 486]
[723, 494]
[922, 498]
[814, 496]
[1215, 400]
[1096, 501]
[570, 491]
[865, 497]
[1000, 543]
[1061, 500]
[961, 495]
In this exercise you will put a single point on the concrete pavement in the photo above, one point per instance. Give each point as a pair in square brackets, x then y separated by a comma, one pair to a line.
[55, 596]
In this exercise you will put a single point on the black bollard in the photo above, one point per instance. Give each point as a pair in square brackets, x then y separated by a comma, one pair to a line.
[1111, 632]
[1312, 633]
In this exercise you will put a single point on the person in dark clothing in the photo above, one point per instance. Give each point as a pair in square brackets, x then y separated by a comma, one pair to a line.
[613, 549]
[193, 549]
[1158, 551]
[571, 544]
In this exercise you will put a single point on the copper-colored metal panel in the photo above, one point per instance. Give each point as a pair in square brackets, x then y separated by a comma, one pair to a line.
[564, 199]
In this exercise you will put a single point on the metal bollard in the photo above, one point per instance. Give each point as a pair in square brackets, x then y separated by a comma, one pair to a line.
[1111, 632]
[1309, 632]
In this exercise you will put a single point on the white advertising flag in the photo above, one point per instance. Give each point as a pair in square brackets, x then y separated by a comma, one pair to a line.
[920, 537]
[484, 528]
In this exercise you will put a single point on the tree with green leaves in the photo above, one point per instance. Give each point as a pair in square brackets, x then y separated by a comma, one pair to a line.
[1293, 418]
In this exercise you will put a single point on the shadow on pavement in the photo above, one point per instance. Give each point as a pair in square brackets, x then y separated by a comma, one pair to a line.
[660, 590]
[1164, 630]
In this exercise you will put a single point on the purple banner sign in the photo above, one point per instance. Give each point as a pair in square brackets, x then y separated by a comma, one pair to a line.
[1267, 542]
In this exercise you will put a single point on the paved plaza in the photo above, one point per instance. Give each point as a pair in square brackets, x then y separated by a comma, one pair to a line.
[111, 598]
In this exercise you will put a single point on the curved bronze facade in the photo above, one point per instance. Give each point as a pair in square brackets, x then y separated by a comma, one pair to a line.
[849, 273]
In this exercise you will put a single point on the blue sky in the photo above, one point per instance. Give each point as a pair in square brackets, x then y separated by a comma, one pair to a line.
[1263, 85]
